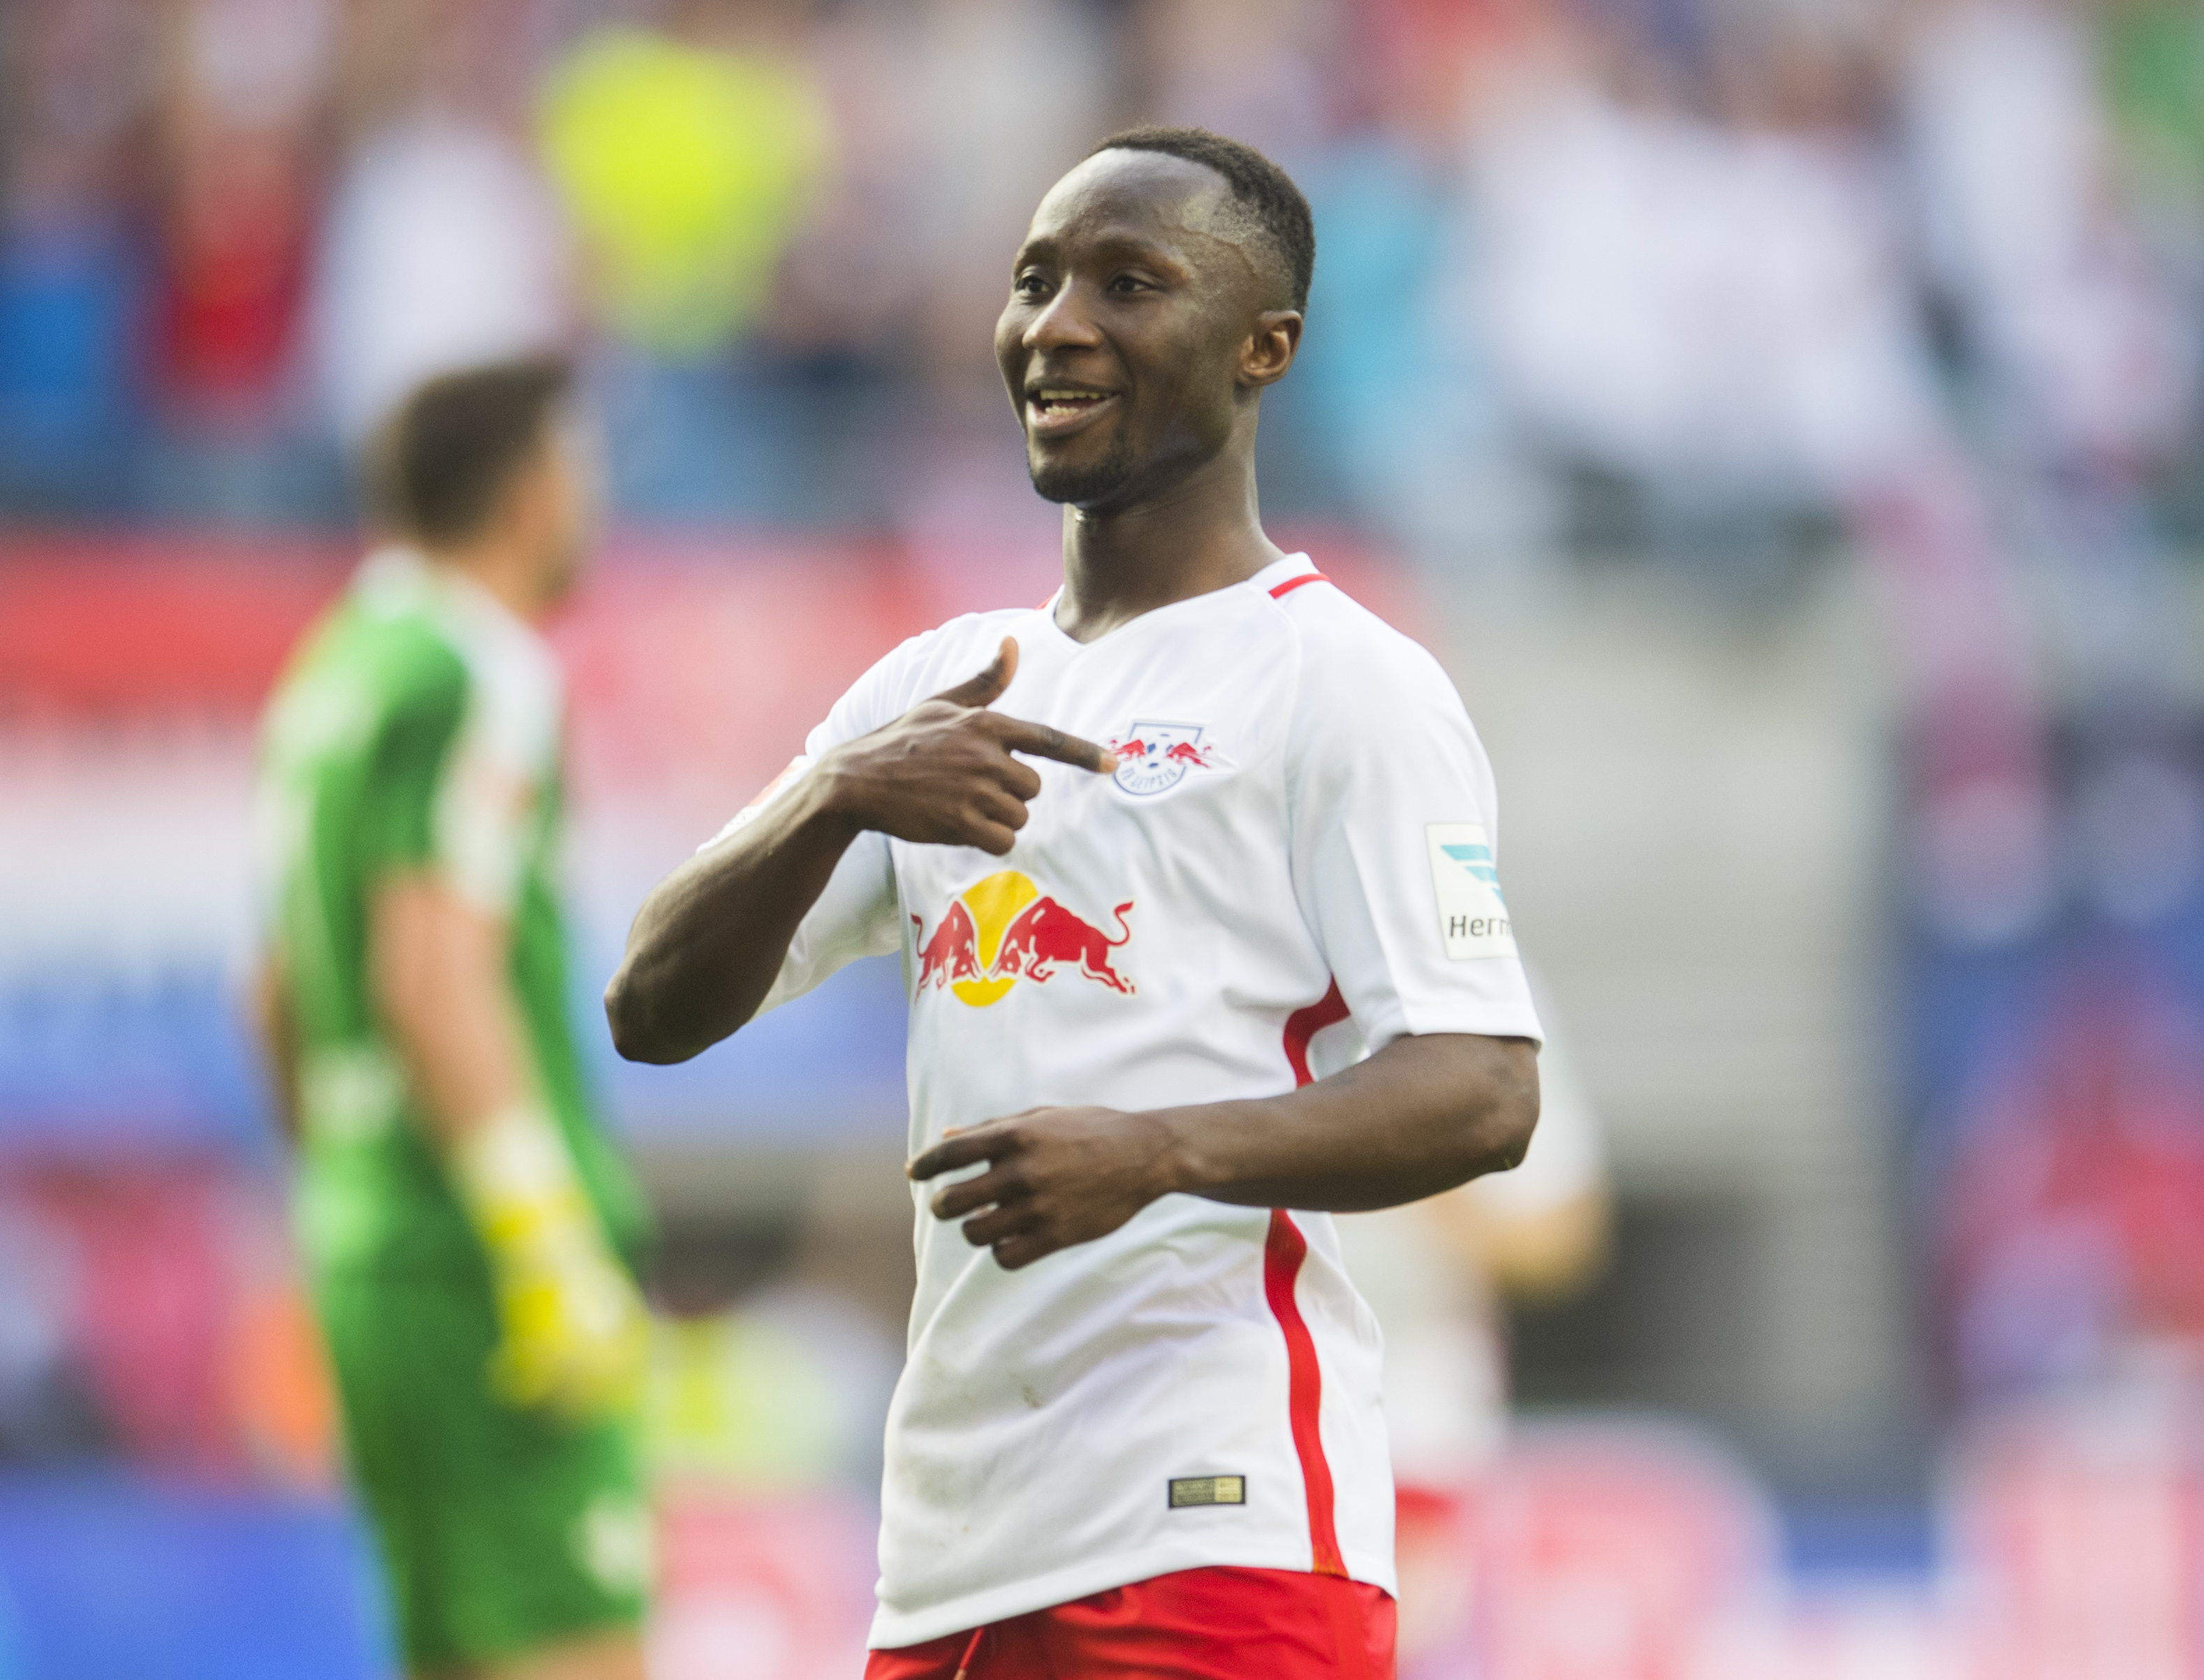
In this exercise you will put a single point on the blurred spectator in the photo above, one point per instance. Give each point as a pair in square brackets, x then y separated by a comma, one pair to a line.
[686, 160]
[442, 245]
[1717, 307]
[444, 250]
[1265, 74]
[2072, 1251]
[72, 84]
[970, 110]
[239, 145]
[1397, 381]
[1397, 373]
[979, 72]
[241, 142]
[2079, 339]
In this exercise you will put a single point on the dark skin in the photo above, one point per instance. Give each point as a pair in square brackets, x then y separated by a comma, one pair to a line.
[1144, 323]
[1131, 286]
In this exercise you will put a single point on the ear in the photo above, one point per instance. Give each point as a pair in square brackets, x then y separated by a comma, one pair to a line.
[524, 501]
[1269, 349]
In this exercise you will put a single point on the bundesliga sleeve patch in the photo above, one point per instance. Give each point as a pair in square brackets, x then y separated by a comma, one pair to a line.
[1473, 915]
[1188, 1490]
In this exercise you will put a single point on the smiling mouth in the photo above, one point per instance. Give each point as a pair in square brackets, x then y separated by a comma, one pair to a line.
[1052, 411]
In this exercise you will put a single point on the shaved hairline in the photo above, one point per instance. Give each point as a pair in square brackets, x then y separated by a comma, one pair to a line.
[1231, 219]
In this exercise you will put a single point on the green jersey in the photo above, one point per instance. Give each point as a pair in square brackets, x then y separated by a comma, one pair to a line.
[417, 728]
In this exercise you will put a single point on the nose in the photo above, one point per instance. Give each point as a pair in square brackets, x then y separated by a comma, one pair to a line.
[1063, 324]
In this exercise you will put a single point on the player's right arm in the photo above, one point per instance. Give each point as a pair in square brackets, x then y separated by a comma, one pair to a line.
[709, 942]
[572, 1325]
[449, 820]
[439, 980]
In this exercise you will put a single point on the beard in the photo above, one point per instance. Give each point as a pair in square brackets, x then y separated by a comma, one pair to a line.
[1081, 485]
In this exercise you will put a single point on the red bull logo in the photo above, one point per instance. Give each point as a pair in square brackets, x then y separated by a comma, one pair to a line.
[1004, 930]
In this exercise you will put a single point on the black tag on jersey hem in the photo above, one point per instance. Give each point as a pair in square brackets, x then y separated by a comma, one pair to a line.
[1188, 1491]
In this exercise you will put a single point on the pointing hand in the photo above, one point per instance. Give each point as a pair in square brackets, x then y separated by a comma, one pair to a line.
[945, 774]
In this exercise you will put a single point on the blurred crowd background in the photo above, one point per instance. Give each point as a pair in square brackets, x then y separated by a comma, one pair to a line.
[1703, 268]
[1786, 417]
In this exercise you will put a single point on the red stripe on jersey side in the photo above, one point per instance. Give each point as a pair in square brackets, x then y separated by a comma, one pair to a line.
[1304, 1025]
[1283, 1254]
[1292, 583]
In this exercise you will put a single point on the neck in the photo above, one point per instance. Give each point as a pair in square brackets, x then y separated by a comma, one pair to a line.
[1203, 534]
[501, 568]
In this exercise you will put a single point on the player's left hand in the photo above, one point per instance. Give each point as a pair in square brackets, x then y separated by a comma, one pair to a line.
[1055, 1177]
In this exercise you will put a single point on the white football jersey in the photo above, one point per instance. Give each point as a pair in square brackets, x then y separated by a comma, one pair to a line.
[1292, 866]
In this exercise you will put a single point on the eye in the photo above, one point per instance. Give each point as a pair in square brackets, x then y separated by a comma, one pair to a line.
[1029, 284]
[1128, 283]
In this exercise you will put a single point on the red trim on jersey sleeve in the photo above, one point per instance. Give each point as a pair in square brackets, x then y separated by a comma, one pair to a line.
[1283, 1252]
[1287, 587]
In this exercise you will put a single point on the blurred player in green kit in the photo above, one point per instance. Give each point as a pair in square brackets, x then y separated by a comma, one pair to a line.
[469, 1231]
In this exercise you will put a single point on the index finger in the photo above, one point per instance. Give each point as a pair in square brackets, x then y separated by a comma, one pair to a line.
[952, 1152]
[1045, 741]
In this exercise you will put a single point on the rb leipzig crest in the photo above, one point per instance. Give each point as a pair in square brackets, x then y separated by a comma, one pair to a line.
[1154, 757]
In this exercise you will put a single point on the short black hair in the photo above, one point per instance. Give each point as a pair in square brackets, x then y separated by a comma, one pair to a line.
[1264, 190]
[435, 468]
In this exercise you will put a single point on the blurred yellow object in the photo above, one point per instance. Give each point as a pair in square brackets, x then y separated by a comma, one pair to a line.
[739, 1401]
[686, 171]
[574, 1335]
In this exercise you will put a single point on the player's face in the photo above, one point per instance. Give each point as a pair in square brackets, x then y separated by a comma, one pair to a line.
[1126, 342]
[561, 502]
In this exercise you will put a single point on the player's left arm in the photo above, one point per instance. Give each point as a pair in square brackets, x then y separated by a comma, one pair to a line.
[1542, 1232]
[1392, 826]
[1422, 1115]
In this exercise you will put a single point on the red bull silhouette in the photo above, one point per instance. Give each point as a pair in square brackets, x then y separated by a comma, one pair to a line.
[1001, 930]
[1045, 937]
[1134, 749]
[953, 953]
[1185, 752]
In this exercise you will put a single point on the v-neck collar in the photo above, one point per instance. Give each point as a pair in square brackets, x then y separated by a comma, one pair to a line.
[1287, 566]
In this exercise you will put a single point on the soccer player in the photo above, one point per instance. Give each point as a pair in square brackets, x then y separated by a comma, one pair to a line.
[467, 1226]
[1192, 873]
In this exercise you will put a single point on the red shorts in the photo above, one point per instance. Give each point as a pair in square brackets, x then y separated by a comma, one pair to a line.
[1216, 1624]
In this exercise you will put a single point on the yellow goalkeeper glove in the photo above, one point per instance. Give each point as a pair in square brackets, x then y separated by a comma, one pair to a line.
[573, 1331]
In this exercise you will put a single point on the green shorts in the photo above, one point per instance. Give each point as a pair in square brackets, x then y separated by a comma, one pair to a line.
[501, 1529]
